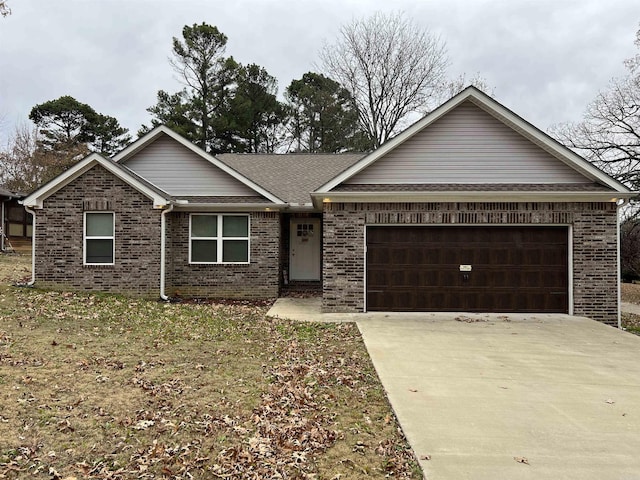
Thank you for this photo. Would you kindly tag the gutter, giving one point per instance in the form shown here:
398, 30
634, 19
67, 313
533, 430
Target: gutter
163, 254
228, 207
467, 196
33, 246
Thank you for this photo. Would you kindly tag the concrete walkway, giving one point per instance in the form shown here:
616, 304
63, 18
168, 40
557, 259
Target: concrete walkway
491, 397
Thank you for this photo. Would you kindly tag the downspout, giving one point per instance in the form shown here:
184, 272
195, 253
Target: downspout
163, 255
33, 245
2, 230
620, 204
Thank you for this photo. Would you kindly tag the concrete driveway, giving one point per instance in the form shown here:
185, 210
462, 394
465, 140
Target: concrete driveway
511, 397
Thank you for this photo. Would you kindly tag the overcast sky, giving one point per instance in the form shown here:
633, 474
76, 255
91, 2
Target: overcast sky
545, 59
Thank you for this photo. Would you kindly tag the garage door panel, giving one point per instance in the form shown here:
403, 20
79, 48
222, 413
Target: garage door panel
405, 279
512, 269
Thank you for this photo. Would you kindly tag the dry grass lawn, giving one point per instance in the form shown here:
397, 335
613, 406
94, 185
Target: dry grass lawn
99, 386
631, 294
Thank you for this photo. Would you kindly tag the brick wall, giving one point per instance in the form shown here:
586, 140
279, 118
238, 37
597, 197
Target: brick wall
595, 280
257, 280
594, 244
59, 239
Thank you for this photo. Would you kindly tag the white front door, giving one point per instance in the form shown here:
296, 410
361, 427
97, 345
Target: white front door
304, 249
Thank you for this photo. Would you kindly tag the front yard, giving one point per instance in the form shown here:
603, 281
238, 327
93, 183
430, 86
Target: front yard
99, 386
631, 294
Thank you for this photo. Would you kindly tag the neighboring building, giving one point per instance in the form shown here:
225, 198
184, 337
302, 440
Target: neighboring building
15, 222
469, 209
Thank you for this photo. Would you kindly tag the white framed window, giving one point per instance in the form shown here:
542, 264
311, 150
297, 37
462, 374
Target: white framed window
218, 238
99, 238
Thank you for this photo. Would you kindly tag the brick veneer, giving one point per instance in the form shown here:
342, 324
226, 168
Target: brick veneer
257, 280
594, 244
59, 240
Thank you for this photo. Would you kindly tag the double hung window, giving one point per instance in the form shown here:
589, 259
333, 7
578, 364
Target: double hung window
218, 238
99, 238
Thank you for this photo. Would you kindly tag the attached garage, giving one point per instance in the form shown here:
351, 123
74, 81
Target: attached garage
472, 209
467, 268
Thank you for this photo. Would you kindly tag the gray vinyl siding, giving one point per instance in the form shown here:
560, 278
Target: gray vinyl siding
467, 145
179, 171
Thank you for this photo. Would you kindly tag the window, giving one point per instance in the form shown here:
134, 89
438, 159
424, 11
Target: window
217, 238
99, 238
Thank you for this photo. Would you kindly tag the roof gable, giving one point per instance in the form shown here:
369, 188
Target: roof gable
176, 165
549, 159
467, 146
35, 199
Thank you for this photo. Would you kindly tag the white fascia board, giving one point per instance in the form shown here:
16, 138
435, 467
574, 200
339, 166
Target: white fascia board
162, 129
466, 196
35, 199
501, 113
227, 207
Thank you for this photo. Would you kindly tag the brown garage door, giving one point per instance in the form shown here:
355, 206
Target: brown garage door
472, 269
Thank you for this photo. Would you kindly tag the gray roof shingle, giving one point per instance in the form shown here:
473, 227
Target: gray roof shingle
291, 176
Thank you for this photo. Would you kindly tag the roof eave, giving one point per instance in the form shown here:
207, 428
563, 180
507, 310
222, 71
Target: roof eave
227, 207
468, 196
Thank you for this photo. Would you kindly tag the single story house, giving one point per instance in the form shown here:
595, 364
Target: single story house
471, 208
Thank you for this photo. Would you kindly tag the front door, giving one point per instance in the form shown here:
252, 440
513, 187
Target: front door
304, 249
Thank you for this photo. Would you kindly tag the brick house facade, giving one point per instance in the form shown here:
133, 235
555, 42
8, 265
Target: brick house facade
594, 246
470, 163
59, 248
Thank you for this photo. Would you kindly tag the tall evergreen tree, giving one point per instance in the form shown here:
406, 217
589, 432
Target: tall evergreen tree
65, 123
323, 117
174, 111
207, 76
224, 106
254, 110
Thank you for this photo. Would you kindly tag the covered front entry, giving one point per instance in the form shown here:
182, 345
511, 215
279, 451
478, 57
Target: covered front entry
467, 268
304, 249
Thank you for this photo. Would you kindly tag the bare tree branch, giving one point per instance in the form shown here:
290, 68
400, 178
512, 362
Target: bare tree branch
4, 8
609, 134
391, 67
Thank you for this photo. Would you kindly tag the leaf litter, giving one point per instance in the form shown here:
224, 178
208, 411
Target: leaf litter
138, 389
